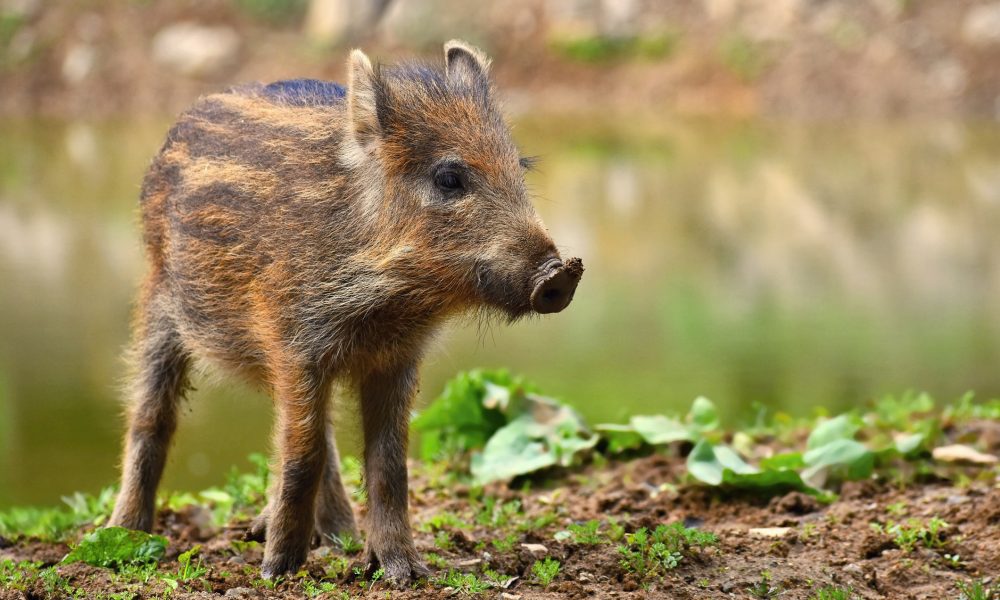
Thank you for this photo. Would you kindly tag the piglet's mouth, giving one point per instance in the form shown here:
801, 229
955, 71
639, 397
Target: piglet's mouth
555, 285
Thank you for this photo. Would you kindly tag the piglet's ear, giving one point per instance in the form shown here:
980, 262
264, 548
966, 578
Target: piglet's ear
363, 90
465, 63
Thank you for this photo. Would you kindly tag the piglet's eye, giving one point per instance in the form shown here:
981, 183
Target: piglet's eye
448, 180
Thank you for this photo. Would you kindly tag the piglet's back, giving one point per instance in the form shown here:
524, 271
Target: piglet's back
236, 157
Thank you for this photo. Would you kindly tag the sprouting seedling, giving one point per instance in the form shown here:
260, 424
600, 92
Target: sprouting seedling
545, 570
347, 542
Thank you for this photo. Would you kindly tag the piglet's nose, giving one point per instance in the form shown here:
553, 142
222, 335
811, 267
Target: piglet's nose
556, 285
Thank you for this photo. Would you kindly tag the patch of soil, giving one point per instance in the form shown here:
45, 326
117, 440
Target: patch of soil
807, 545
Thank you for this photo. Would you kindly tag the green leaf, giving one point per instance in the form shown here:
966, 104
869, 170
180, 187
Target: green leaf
658, 429
703, 415
842, 427
910, 443
511, 451
720, 465
620, 438
470, 409
216, 495
788, 460
839, 459
114, 547
546, 434
767, 479
708, 462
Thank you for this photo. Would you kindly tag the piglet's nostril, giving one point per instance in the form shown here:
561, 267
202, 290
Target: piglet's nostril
556, 286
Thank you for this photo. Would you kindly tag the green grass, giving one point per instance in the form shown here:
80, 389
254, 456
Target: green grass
762, 588
506, 543
914, 532
464, 583
313, 589
443, 541
586, 533
654, 553
977, 590
348, 543
56, 524
831, 592
545, 570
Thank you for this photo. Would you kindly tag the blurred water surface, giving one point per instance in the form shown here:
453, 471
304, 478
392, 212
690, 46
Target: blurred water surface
793, 265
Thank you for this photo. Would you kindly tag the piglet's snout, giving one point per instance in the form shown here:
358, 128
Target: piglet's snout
555, 285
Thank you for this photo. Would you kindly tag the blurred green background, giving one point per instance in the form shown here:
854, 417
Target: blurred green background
757, 228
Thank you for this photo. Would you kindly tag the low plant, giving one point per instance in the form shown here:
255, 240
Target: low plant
435, 560
443, 520
16, 575
336, 567
977, 590
650, 553
466, 583
497, 513
443, 540
189, 568
913, 532
506, 543
55, 524
586, 533
832, 592
762, 589
115, 547
545, 570
312, 588
348, 543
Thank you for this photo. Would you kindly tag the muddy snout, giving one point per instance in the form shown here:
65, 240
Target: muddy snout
555, 285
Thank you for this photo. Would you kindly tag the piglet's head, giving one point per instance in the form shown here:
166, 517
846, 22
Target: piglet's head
449, 184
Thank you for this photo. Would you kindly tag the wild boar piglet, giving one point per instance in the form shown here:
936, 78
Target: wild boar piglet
303, 232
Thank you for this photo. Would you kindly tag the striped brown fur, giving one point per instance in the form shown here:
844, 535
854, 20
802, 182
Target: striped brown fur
299, 233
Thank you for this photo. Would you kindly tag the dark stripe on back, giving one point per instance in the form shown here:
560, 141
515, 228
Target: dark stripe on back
305, 92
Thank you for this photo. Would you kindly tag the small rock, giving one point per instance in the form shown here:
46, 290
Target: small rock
770, 532
962, 453
469, 563
509, 596
585, 577
956, 499
854, 569
981, 26
78, 63
240, 592
536, 550
196, 50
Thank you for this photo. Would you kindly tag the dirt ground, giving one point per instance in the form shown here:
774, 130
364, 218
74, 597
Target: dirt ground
810, 545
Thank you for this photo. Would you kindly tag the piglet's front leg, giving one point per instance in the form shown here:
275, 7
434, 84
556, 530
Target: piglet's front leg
386, 396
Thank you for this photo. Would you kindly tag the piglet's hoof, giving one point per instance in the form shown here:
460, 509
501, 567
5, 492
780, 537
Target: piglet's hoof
282, 563
400, 567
